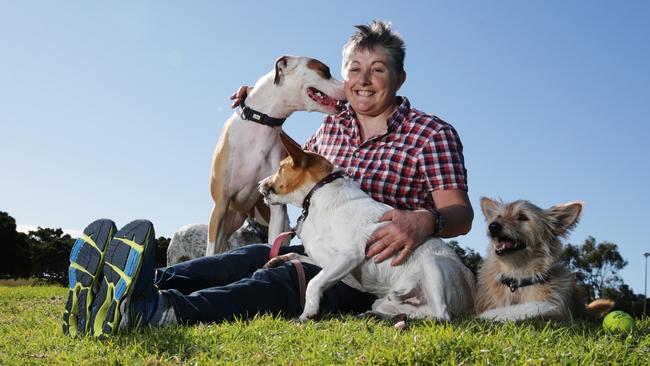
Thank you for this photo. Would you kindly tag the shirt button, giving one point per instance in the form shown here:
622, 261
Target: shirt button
356, 153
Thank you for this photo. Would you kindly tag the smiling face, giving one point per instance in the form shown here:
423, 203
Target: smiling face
371, 83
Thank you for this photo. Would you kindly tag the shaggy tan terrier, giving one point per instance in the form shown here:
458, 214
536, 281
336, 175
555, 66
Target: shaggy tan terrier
522, 276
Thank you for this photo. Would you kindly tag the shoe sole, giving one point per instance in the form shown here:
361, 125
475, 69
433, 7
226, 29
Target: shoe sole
86, 263
122, 264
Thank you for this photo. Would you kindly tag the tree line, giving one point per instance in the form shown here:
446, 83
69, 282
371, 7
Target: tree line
43, 254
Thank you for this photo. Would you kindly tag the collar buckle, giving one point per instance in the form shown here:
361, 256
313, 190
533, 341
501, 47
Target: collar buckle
516, 283
249, 114
513, 286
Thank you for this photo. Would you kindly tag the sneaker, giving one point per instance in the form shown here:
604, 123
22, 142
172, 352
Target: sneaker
84, 273
127, 289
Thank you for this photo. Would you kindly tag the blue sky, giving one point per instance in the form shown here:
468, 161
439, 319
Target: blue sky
113, 110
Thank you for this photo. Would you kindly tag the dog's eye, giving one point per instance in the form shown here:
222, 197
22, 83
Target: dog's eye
522, 217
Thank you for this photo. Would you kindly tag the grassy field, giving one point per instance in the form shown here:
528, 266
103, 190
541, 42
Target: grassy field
30, 333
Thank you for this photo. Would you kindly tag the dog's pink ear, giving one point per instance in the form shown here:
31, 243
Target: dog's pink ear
564, 217
282, 66
293, 148
489, 207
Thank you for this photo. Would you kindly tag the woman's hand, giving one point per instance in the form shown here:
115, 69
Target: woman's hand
405, 231
240, 95
408, 229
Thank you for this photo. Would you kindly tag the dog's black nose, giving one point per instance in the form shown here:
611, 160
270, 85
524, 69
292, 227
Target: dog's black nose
266, 189
495, 228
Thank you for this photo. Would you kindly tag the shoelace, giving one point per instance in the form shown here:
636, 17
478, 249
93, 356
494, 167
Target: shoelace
171, 271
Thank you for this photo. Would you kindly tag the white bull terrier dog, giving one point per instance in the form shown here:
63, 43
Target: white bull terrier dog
249, 149
338, 219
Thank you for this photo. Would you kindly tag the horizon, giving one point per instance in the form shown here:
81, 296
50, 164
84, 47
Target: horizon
114, 110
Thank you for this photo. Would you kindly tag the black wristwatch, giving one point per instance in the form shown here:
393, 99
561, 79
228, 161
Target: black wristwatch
440, 222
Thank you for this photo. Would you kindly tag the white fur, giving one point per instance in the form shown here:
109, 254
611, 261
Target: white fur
255, 151
527, 310
341, 220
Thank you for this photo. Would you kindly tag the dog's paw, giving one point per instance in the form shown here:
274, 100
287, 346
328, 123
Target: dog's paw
370, 315
487, 315
495, 315
399, 322
307, 315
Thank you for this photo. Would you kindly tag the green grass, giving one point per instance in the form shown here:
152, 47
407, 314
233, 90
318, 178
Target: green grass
30, 333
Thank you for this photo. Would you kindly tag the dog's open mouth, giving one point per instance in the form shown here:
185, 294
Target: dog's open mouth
322, 98
505, 245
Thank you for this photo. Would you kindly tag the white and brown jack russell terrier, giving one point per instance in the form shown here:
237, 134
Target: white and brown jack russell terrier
249, 148
338, 219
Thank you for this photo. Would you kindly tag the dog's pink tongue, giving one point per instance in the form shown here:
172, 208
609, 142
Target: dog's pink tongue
321, 97
329, 102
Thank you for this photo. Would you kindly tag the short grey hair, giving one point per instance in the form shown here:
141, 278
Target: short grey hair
376, 33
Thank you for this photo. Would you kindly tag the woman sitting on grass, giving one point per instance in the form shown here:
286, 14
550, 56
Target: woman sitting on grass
399, 155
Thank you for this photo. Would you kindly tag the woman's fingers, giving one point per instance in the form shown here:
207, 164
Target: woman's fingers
387, 246
377, 246
404, 254
389, 251
240, 95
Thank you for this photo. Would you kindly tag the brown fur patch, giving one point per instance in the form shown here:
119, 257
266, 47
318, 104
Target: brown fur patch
218, 190
299, 168
291, 176
322, 69
220, 163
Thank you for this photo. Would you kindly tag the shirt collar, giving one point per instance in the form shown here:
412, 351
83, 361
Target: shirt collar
400, 114
396, 119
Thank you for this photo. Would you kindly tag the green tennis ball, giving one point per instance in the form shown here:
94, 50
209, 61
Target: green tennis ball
618, 321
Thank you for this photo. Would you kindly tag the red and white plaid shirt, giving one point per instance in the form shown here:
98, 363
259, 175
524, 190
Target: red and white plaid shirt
418, 154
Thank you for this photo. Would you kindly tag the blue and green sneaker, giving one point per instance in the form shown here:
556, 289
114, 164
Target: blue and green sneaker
84, 274
126, 290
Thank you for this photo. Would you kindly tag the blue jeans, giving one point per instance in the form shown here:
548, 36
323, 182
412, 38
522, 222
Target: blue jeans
233, 285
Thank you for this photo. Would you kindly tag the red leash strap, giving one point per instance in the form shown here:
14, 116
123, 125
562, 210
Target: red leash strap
300, 271
277, 243
302, 281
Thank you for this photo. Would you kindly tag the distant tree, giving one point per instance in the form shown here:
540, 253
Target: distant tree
161, 251
469, 256
595, 266
14, 261
50, 254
